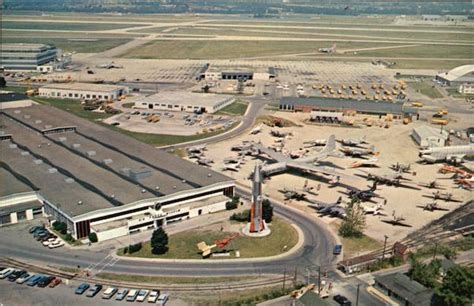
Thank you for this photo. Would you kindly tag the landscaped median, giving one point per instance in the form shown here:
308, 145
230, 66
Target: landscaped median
183, 245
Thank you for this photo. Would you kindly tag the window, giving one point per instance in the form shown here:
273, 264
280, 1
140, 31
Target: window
70, 95
76, 95
88, 96
94, 96
21, 215
5, 219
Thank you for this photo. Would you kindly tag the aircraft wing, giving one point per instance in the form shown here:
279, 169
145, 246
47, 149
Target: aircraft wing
316, 169
276, 156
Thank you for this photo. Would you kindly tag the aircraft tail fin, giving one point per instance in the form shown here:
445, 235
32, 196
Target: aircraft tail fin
330, 145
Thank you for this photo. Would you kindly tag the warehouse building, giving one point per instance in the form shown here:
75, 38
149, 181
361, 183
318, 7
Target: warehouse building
322, 104
32, 57
83, 91
403, 290
97, 180
427, 136
458, 76
13, 100
185, 102
235, 73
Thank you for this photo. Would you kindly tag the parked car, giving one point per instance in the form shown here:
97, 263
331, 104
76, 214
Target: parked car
56, 244
34, 228
337, 249
15, 275
132, 295
25, 277
45, 281
121, 294
94, 290
142, 294
342, 300
34, 280
56, 281
82, 288
162, 299
109, 293
41, 235
153, 296
6, 272
38, 231
48, 241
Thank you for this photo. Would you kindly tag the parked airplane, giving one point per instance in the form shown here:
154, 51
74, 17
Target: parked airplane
395, 179
431, 185
232, 167
432, 207
373, 209
444, 196
109, 66
358, 152
315, 143
452, 154
401, 167
297, 193
196, 155
333, 209
205, 162
372, 162
256, 130
283, 163
362, 195
245, 145
196, 149
465, 183
353, 142
277, 133
397, 220
328, 50
458, 171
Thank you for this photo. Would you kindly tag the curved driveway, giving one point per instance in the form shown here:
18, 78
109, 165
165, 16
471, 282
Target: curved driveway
316, 250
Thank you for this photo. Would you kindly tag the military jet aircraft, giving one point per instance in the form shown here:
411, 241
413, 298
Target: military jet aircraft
432, 207
372, 162
444, 196
333, 209
332, 49
205, 162
405, 168
245, 145
373, 209
232, 167
195, 155
315, 143
356, 142
396, 220
358, 152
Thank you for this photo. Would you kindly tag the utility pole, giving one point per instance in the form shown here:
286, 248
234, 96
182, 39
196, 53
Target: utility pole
319, 280
436, 249
357, 298
307, 277
384, 247
284, 278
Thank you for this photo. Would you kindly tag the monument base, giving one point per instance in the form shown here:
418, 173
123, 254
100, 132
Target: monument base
265, 232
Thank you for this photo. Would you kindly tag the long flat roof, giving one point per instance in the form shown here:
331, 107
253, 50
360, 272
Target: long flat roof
83, 87
96, 166
187, 98
408, 289
11, 182
348, 104
25, 47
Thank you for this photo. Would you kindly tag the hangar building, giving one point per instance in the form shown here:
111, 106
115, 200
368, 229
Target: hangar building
457, 76
83, 91
32, 57
427, 136
185, 101
95, 179
344, 105
235, 73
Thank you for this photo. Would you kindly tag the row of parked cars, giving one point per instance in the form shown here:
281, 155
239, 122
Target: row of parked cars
48, 239
130, 295
24, 277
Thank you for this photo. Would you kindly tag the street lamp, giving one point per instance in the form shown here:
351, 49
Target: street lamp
384, 247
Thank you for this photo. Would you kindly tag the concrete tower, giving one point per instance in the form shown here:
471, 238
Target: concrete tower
257, 223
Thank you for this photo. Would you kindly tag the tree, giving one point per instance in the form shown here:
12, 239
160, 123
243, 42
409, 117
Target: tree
354, 222
60, 227
233, 203
425, 274
93, 237
244, 216
458, 286
267, 211
134, 247
159, 241
3, 83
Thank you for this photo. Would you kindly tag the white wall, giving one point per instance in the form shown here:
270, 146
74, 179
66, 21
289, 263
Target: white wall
112, 233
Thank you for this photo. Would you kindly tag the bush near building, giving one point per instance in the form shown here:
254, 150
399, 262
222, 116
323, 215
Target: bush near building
159, 241
60, 227
244, 216
133, 248
232, 204
93, 237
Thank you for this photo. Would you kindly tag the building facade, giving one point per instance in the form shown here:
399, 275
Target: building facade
83, 91
27, 57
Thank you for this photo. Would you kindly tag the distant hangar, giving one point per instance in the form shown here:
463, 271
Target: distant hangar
97, 180
209, 73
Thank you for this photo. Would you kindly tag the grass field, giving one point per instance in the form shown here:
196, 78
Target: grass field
183, 245
66, 26
354, 246
72, 106
426, 88
198, 49
134, 278
238, 108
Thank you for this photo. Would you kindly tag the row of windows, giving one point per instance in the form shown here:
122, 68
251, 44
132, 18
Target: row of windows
76, 95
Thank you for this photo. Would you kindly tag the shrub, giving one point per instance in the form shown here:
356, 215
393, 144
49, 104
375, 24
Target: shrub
69, 238
241, 217
60, 227
133, 248
159, 241
93, 237
232, 204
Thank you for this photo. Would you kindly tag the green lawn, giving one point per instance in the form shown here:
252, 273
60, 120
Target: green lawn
426, 88
238, 108
354, 246
72, 106
135, 278
183, 245
66, 26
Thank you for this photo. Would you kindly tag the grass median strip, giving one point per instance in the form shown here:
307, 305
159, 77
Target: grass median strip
135, 278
